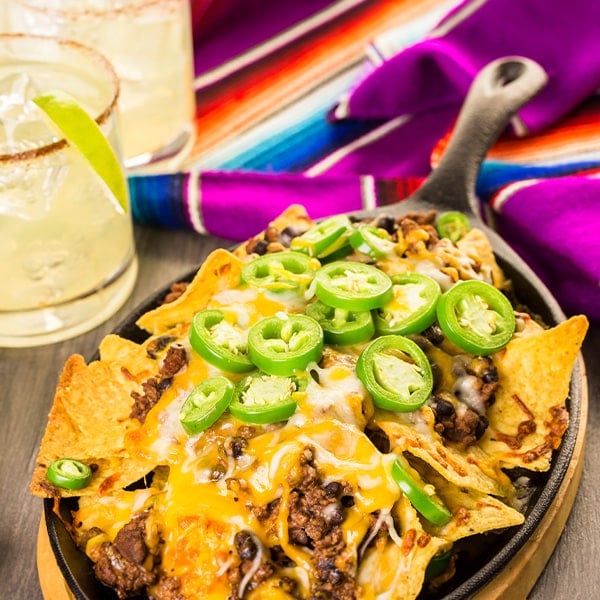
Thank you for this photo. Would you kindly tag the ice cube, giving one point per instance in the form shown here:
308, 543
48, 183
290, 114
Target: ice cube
23, 125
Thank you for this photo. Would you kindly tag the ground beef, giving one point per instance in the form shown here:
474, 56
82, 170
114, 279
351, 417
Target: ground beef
142, 403
153, 388
174, 361
119, 565
316, 512
175, 291
247, 547
462, 419
130, 540
167, 589
418, 223
464, 427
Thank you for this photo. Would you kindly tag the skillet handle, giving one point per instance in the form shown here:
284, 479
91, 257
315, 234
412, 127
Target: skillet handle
496, 94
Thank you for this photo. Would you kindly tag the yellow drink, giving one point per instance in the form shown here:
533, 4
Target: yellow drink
67, 259
149, 42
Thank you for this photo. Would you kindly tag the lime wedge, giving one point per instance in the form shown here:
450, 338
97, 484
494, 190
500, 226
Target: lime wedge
82, 132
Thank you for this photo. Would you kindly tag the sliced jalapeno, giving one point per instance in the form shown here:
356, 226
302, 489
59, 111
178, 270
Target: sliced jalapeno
352, 285
422, 496
325, 238
412, 308
452, 225
396, 372
280, 271
438, 564
219, 342
476, 317
69, 473
342, 327
372, 241
205, 404
284, 343
262, 398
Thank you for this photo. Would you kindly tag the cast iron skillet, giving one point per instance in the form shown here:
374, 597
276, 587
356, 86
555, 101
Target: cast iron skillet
497, 93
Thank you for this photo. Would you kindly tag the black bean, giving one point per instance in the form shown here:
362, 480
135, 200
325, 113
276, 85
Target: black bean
347, 501
245, 545
333, 489
490, 375
442, 408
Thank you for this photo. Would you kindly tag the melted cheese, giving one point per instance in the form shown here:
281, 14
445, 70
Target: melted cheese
209, 493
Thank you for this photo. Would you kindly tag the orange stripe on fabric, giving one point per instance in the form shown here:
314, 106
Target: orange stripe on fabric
247, 98
576, 133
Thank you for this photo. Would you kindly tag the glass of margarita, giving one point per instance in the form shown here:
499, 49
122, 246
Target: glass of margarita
67, 258
149, 42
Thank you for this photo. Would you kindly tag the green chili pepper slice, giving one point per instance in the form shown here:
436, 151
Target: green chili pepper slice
452, 225
205, 404
262, 398
282, 344
342, 327
396, 372
69, 473
372, 241
413, 307
476, 317
422, 496
280, 271
219, 342
438, 565
324, 238
352, 285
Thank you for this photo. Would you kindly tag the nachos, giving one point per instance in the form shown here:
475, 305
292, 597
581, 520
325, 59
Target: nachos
326, 412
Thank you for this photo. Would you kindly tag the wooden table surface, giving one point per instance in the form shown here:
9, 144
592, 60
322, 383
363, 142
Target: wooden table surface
28, 377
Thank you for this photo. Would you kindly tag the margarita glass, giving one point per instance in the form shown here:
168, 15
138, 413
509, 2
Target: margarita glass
67, 258
149, 42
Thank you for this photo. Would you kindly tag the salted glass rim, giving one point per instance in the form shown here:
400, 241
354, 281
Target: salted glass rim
82, 12
82, 49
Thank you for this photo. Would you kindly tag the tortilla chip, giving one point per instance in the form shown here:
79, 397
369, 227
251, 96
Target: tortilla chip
129, 356
476, 245
89, 421
472, 511
220, 271
294, 215
529, 416
453, 465
397, 570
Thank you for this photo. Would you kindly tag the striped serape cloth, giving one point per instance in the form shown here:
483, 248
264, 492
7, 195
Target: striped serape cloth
343, 105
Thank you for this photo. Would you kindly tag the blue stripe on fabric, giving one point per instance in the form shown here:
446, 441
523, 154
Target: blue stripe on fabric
300, 147
496, 174
152, 199
295, 137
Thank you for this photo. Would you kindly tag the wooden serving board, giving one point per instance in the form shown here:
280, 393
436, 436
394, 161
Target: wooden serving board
54, 587
515, 581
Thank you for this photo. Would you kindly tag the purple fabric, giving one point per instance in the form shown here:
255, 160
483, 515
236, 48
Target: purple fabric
437, 71
403, 150
553, 224
234, 204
